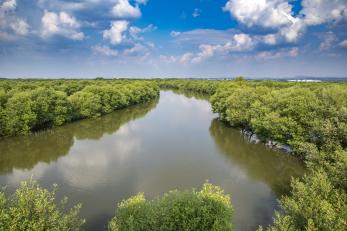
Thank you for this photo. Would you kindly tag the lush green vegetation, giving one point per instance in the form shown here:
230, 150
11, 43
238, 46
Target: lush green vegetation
208, 209
31, 105
33, 208
311, 118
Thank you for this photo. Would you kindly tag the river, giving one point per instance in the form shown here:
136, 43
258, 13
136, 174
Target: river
175, 142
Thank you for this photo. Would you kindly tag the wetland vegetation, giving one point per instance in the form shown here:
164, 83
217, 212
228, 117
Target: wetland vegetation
178, 142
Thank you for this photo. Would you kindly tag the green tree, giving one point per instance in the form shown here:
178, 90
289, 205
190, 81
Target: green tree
19, 116
50, 106
85, 105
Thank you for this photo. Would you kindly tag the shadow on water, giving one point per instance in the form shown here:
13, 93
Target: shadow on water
269, 166
47, 146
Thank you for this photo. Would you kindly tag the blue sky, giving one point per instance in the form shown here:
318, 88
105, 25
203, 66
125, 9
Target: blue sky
181, 38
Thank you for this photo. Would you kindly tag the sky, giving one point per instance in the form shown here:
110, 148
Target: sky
166, 38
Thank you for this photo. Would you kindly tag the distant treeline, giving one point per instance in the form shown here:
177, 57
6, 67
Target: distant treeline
31, 105
309, 117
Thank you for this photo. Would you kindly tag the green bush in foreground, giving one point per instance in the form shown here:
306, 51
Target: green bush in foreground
208, 209
33, 208
314, 205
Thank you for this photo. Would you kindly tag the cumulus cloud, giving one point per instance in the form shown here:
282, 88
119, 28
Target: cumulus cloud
115, 33
206, 51
11, 26
267, 13
61, 24
123, 9
9, 5
317, 12
293, 32
240, 42
104, 50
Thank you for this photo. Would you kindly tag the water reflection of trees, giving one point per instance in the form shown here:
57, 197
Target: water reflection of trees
271, 167
47, 146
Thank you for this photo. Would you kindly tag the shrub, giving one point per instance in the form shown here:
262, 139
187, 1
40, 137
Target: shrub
315, 204
208, 209
33, 208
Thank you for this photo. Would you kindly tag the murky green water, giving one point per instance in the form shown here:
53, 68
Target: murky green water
174, 143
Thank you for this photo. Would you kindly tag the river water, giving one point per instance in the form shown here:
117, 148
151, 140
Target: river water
175, 142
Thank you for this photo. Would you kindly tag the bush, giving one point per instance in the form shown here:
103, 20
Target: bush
33, 208
315, 204
208, 209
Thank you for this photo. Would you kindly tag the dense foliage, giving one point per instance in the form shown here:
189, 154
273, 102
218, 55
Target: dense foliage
30, 105
208, 209
34, 208
311, 118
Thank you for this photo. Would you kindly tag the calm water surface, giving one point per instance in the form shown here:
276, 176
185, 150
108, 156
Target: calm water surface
174, 142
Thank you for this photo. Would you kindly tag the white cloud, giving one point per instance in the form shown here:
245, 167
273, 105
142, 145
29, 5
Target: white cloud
292, 52
123, 9
270, 39
9, 5
185, 58
115, 33
135, 31
293, 32
196, 13
343, 43
206, 51
174, 34
59, 5
61, 24
167, 59
104, 50
323, 11
11, 26
277, 14
267, 13
328, 41
240, 42
137, 50
20, 27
